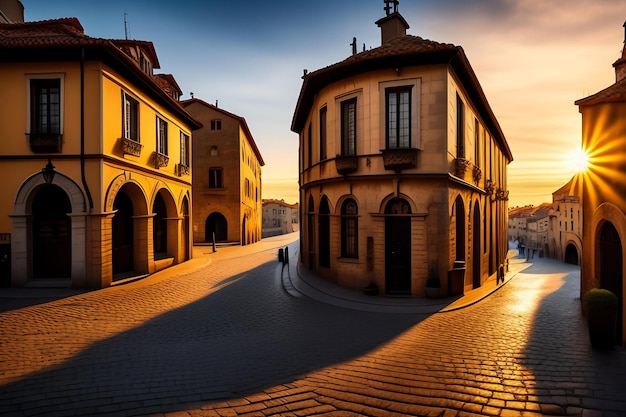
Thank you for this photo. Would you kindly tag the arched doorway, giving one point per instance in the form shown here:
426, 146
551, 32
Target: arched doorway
159, 227
610, 261
52, 241
311, 232
186, 235
324, 233
476, 247
571, 255
216, 223
398, 247
123, 234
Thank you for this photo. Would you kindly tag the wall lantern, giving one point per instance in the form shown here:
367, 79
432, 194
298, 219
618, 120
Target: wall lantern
48, 172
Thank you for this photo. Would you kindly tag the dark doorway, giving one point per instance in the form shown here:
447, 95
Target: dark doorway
610, 258
311, 232
216, 223
52, 237
186, 234
476, 248
571, 255
398, 247
460, 229
324, 233
159, 227
123, 234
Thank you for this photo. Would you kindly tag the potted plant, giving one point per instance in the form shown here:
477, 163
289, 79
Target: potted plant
433, 284
600, 306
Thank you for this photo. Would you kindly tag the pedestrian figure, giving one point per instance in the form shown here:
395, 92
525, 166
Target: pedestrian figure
500, 276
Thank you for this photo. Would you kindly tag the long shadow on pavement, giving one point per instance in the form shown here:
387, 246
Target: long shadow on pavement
247, 336
569, 376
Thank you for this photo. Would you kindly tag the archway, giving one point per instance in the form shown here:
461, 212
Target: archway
159, 227
398, 247
460, 229
610, 263
571, 255
311, 232
216, 223
52, 240
186, 233
476, 247
123, 234
324, 233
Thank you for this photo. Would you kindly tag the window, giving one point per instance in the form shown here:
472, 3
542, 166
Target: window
460, 127
216, 124
161, 136
349, 228
398, 119
184, 149
348, 127
476, 143
310, 146
216, 178
130, 125
45, 104
323, 133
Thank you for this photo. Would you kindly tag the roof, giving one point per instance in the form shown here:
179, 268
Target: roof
64, 40
242, 122
280, 202
612, 94
401, 51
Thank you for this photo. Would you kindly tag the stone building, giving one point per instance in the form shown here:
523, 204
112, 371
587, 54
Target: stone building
227, 177
566, 225
94, 158
603, 189
403, 168
279, 218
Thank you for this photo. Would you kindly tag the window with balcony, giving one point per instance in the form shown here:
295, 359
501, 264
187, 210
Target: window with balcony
130, 119
348, 127
161, 138
323, 155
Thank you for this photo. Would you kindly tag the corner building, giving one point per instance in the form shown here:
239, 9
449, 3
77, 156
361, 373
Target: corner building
403, 168
603, 189
95, 158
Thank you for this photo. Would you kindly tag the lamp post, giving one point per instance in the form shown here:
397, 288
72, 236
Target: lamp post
48, 172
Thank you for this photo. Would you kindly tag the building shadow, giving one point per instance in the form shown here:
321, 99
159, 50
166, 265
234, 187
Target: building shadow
246, 336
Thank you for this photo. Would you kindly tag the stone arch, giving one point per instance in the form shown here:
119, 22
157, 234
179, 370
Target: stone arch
21, 255
458, 212
385, 201
138, 193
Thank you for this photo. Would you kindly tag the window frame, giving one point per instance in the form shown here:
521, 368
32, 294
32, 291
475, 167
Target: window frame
349, 229
398, 140
32, 127
460, 127
323, 134
185, 147
415, 85
130, 110
217, 182
349, 128
161, 136
216, 124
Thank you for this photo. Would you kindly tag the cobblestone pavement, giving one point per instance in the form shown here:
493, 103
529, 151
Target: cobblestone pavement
228, 340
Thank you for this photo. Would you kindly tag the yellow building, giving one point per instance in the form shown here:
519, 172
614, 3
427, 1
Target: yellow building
604, 191
95, 158
227, 177
403, 168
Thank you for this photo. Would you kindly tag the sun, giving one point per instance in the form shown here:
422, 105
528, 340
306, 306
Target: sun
578, 160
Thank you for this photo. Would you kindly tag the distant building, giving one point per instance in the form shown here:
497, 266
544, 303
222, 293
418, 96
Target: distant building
565, 232
95, 158
227, 177
279, 218
403, 168
604, 190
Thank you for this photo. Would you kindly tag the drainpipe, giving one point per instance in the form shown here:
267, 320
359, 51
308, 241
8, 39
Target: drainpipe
82, 128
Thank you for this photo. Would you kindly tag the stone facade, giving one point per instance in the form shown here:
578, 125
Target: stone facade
279, 218
403, 169
227, 177
603, 187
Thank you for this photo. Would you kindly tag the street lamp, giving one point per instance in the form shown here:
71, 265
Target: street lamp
48, 172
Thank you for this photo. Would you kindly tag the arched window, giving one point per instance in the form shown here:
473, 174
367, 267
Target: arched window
349, 229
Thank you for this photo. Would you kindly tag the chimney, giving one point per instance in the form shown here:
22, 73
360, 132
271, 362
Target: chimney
393, 24
620, 64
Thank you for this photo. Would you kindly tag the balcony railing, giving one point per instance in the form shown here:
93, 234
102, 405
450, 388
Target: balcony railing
45, 142
399, 159
160, 160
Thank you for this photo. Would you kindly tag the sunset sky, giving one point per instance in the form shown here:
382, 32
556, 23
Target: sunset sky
533, 58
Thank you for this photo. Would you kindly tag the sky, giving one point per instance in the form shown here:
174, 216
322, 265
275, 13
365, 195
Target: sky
533, 59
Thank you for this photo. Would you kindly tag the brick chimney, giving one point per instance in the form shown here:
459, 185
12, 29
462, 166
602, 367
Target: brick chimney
392, 25
620, 64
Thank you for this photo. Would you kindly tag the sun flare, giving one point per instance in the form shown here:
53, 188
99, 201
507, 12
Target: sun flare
578, 160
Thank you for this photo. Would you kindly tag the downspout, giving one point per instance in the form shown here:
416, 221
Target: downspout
82, 128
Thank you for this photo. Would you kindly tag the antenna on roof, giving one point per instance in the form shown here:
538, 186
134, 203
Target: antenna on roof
125, 27
353, 45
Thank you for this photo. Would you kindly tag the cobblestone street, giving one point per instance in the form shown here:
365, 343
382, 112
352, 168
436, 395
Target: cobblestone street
227, 339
